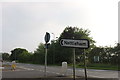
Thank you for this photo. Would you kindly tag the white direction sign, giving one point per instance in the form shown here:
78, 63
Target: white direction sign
82, 43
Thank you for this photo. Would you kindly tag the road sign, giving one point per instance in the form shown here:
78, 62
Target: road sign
47, 37
82, 43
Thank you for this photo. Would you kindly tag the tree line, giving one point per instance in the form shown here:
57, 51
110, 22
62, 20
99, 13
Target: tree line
58, 54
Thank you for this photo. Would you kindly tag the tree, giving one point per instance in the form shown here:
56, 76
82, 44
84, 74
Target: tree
94, 52
104, 54
5, 56
16, 53
39, 54
115, 54
65, 54
25, 57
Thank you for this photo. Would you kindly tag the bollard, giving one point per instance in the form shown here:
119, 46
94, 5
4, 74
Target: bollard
64, 68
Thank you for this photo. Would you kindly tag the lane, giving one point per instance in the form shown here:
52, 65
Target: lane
79, 72
54, 70
27, 71
35, 71
102, 73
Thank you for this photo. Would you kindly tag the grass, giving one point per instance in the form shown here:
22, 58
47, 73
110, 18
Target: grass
99, 66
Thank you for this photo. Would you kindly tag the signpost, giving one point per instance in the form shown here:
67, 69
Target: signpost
74, 62
47, 38
82, 44
85, 65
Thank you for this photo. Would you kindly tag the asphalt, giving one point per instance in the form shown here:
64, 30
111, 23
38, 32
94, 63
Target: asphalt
7, 70
59, 78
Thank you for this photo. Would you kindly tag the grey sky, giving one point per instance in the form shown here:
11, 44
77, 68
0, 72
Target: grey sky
24, 24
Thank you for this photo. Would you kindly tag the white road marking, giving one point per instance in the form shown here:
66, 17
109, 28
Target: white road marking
48, 71
99, 70
40, 70
58, 73
95, 76
81, 70
63, 74
69, 69
25, 68
53, 72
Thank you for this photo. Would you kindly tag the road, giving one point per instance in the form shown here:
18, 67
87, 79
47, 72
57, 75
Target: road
37, 71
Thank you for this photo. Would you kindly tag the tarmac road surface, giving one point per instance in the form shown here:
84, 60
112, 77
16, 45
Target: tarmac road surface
37, 71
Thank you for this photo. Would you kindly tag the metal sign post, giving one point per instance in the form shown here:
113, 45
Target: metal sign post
73, 63
85, 65
45, 61
47, 38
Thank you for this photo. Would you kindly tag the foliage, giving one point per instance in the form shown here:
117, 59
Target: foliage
66, 54
107, 54
25, 57
115, 54
39, 54
5, 56
16, 53
100, 66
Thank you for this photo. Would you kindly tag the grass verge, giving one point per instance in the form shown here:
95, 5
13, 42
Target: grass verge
99, 66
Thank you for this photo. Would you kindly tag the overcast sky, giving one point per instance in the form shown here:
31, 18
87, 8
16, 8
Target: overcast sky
24, 24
